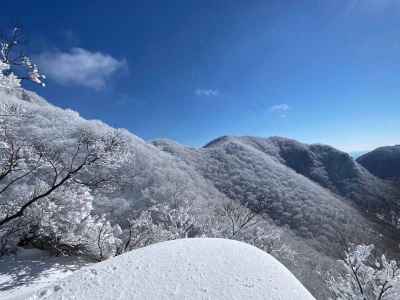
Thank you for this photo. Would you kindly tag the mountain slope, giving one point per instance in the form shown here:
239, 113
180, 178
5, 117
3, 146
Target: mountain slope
315, 194
148, 170
300, 186
332, 169
383, 162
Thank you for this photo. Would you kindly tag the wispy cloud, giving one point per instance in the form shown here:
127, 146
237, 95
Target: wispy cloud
80, 67
206, 93
370, 6
280, 109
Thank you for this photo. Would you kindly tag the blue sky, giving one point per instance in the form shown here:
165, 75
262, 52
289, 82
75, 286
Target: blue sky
317, 71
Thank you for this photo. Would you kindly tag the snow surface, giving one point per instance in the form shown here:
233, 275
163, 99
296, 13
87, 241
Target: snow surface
182, 269
31, 269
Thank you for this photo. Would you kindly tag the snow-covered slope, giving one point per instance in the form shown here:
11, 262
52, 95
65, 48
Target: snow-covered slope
383, 162
329, 167
294, 183
30, 269
313, 191
154, 171
183, 269
19, 94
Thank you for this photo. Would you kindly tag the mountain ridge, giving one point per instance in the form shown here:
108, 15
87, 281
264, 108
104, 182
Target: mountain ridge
315, 193
383, 162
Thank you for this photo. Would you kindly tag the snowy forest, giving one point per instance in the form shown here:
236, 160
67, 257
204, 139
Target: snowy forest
79, 188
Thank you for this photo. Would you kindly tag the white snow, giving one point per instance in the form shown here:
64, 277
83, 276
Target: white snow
31, 269
182, 269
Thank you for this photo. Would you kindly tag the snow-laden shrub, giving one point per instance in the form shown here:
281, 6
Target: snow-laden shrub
366, 276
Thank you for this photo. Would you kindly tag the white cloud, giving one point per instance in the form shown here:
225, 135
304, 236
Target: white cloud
206, 93
80, 67
280, 109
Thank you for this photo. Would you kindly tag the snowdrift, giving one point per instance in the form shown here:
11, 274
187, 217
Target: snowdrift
183, 269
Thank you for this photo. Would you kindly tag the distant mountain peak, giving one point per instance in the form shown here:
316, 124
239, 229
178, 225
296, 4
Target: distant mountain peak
220, 140
383, 162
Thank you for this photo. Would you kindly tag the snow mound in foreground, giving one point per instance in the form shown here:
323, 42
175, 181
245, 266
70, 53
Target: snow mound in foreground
183, 269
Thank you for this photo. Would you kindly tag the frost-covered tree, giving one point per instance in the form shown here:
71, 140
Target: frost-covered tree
239, 218
160, 222
60, 220
179, 221
171, 189
140, 232
15, 65
33, 171
235, 221
47, 178
101, 234
366, 277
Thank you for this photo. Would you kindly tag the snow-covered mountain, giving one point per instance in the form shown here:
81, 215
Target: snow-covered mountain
182, 269
331, 168
316, 195
316, 190
383, 162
